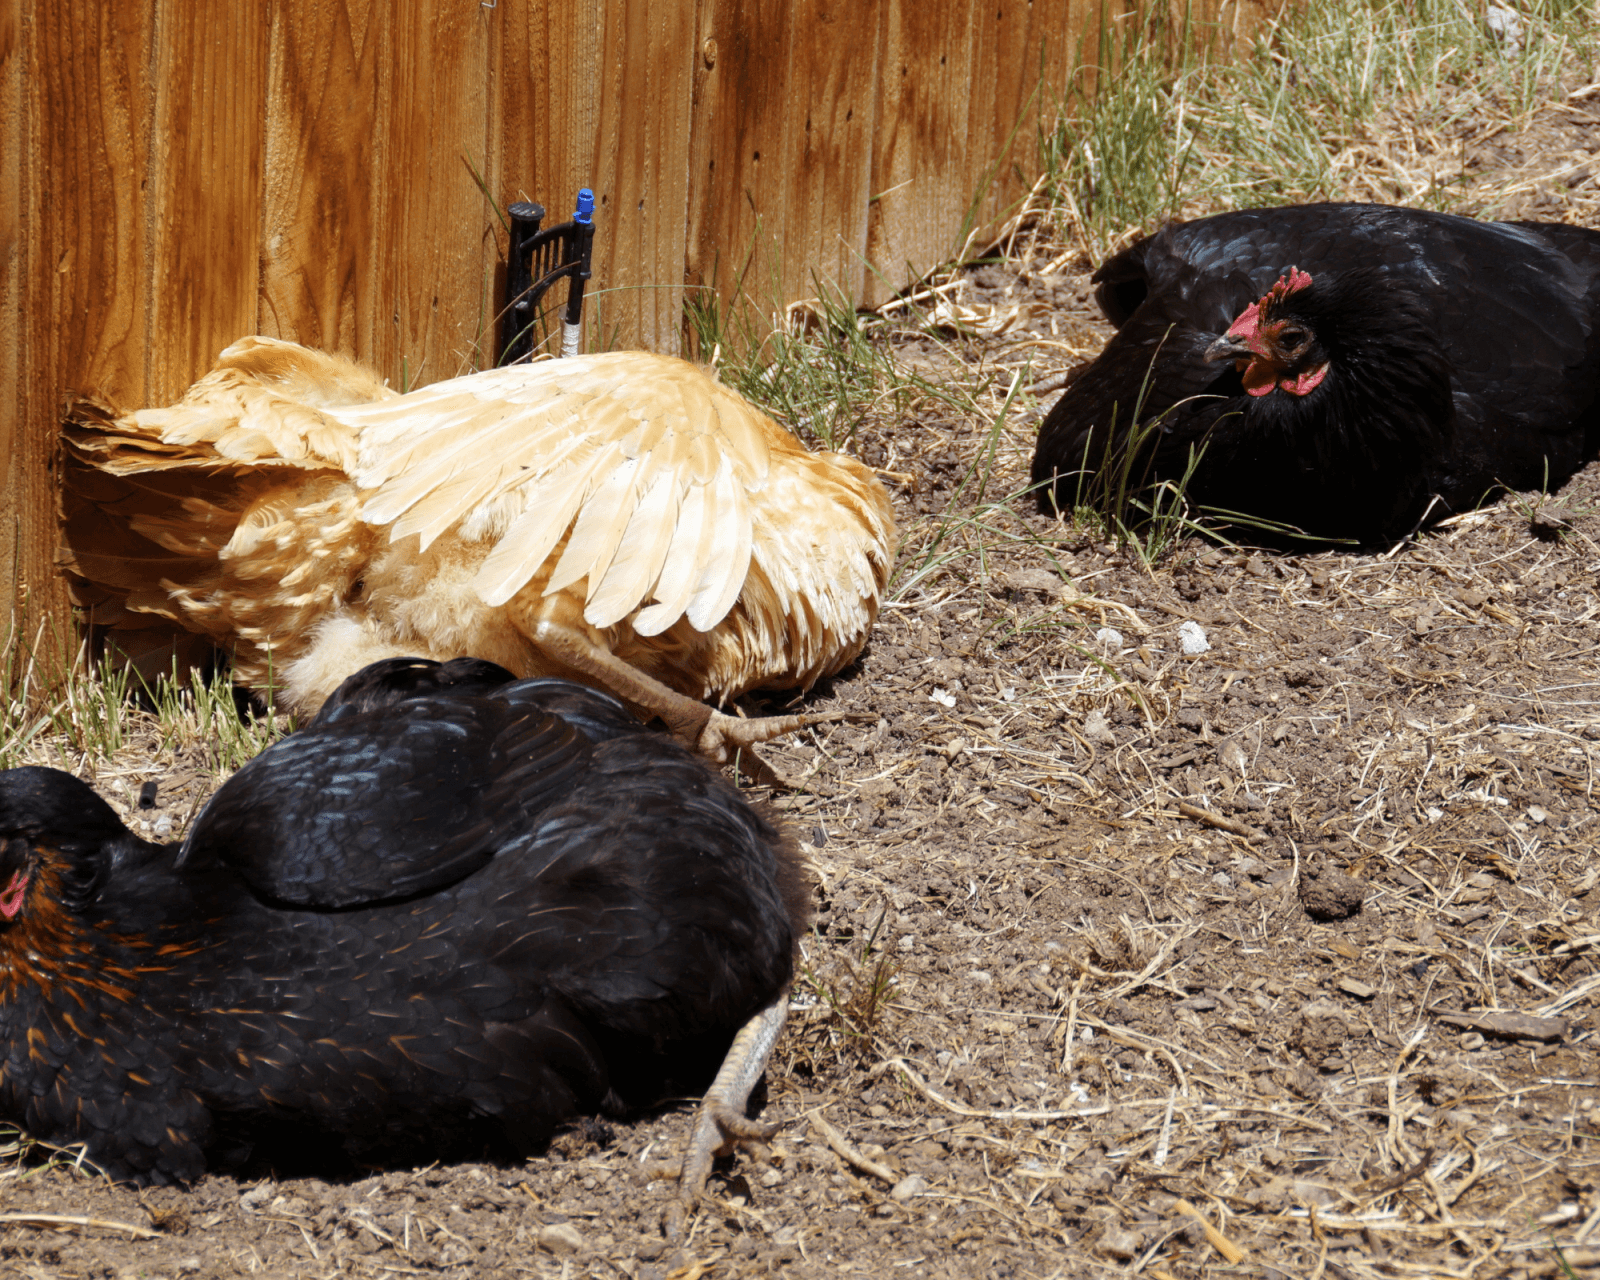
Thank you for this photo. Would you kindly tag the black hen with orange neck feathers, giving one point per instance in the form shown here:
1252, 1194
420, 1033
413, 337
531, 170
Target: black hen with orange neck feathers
1348, 370
451, 913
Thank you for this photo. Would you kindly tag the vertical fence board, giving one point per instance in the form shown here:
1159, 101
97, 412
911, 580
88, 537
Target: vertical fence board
827, 154
205, 188
642, 162
1024, 56
550, 81
524, 156
526, 119
89, 128
13, 332
85, 273
920, 163
316, 220
738, 179
426, 250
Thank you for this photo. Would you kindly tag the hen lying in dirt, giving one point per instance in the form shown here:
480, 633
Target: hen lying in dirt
1351, 370
623, 520
453, 905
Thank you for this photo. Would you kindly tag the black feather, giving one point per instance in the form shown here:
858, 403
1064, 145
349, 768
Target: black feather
565, 925
1462, 356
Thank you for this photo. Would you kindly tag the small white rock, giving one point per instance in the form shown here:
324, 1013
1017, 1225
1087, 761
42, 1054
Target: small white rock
942, 698
1504, 25
1096, 729
163, 827
915, 1185
560, 1237
1108, 638
255, 1200
1536, 814
1121, 1245
1193, 638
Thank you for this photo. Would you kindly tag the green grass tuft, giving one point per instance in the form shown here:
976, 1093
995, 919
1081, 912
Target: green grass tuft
1329, 101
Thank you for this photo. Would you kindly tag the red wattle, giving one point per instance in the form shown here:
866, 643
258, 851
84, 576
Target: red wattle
1260, 377
1306, 381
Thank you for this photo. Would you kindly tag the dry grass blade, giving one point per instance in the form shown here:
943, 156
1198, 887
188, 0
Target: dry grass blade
1226, 1247
59, 1221
849, 1154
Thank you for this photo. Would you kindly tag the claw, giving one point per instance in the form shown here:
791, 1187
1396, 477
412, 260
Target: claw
721, 1127
720, 737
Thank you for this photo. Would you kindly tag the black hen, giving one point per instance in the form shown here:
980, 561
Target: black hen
1347, 369
455, 903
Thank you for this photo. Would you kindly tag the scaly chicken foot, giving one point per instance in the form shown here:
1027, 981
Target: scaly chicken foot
716, 736
721, 1126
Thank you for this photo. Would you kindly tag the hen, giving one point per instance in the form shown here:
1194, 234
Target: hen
619, 519
454, 903
1351, 370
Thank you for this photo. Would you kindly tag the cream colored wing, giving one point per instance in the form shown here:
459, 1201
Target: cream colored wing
642, 463
260, 406
825, 543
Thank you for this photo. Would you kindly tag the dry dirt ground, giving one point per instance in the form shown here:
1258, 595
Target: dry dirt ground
1274, 960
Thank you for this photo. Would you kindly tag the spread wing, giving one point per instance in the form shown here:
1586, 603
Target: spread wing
366, 805
640, 468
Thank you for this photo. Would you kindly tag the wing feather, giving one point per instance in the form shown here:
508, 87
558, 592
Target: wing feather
640, 554
642, 462
526, 545
722, 573
680, 572
601, 521
738, 426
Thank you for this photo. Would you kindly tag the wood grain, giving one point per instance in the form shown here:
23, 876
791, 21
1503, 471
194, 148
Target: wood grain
1024, 54
203, 198
317, 217
548, 87
13, 330
89, 124
738, 174
85, 279
828, 147
426, 255
641, 149
920, 169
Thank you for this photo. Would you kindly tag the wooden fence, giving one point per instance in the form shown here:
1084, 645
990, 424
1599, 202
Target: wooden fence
174, 175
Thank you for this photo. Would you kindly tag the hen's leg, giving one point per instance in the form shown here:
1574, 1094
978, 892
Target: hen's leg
721, 1125
709, 732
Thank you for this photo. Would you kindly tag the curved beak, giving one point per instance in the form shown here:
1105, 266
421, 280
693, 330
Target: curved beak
1228, 347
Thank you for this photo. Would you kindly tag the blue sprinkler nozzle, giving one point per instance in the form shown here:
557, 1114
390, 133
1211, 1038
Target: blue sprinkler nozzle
585, 213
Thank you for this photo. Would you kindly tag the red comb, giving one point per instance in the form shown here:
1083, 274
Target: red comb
1248, 321
1295, 280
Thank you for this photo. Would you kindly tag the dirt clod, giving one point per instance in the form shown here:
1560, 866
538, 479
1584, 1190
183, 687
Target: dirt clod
1329, 895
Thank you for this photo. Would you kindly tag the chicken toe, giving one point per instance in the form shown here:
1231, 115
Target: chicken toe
721, 1125
713, 735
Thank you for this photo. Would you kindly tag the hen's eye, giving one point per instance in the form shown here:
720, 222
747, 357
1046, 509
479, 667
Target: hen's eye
1293, 337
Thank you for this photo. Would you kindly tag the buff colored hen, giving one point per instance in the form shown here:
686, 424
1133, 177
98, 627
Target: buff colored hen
620, 519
